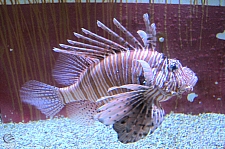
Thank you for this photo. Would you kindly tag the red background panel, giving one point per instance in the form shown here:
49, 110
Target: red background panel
29, 32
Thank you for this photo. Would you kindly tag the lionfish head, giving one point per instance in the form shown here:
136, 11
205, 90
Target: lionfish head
179, 79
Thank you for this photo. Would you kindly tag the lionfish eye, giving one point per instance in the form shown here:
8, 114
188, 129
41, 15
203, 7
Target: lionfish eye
173, 67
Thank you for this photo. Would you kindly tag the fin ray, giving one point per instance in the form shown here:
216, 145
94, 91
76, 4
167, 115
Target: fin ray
68, 68
82, 112
127, 33
109, 42
150, 32
44, 97
107, 48
139, 123
121, 40
133, 114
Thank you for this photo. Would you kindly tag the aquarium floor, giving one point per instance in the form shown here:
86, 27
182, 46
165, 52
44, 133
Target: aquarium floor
177, 131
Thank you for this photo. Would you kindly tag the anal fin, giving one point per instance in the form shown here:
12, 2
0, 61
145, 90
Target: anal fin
82, 112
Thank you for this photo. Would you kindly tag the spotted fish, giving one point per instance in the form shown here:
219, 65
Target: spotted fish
119, 83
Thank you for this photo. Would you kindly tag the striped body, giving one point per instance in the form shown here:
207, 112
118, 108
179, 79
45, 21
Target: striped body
114, 70
123, 68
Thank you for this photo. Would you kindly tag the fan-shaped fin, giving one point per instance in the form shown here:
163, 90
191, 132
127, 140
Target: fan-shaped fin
68, 68
133, 114
139, 123
82, 112
44, 97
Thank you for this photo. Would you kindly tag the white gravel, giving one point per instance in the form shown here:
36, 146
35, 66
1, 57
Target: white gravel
178, 131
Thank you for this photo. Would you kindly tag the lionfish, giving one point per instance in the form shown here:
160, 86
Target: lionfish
119, 83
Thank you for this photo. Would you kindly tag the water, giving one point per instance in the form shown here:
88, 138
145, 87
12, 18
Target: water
192, 33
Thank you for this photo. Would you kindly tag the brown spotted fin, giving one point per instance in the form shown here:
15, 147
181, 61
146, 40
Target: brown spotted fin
138, 124
82, 112
133, 114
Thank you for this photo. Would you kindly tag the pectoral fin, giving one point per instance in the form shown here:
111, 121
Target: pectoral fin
142, 121
133, 114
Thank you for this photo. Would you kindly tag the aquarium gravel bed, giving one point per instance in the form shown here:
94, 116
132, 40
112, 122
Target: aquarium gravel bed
177, 131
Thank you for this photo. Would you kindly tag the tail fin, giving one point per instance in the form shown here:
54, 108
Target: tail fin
44, 97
